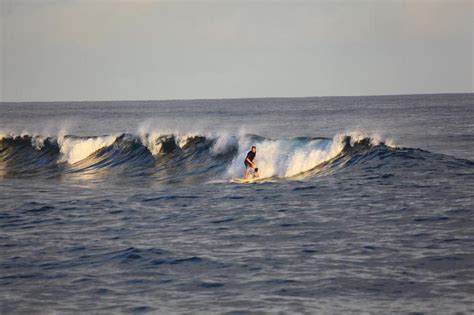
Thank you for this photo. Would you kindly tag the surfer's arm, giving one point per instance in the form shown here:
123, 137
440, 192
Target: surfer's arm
250, 162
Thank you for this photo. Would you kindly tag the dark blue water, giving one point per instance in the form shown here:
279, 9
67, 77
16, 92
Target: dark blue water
366, 205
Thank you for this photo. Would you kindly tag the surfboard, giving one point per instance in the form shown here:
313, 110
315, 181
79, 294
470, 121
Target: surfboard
242, 180
248, 180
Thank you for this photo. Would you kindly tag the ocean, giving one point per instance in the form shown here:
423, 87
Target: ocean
365, 204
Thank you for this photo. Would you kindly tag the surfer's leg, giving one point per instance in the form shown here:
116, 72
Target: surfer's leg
247, 171
255, 172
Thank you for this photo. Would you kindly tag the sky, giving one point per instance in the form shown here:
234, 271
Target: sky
85, 50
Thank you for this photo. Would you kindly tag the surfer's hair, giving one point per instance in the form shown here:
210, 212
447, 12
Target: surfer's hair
253, 147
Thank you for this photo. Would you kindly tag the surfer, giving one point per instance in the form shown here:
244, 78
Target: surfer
250, 164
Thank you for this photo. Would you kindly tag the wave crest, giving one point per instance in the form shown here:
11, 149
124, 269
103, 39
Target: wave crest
179, 156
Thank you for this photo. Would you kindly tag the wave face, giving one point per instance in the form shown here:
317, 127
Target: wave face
203, 157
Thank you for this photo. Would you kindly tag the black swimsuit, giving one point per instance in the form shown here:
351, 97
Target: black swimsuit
250, 156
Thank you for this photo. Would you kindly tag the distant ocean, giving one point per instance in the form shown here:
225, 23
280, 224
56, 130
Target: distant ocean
367, 206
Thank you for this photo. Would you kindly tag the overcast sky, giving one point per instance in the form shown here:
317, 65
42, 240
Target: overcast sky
141, 49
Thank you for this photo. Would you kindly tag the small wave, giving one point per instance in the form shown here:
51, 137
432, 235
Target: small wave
28, 155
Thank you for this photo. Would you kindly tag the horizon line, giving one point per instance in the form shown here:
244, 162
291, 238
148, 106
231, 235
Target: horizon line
235, 98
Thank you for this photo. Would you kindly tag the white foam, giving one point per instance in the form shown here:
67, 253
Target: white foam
286, 158
150, 136
154, 144
37, 141
182, 140
225, 143
307, 158
4, 134
375, 138
151, 142
74, 150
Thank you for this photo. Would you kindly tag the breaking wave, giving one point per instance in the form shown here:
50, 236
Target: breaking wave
193, 156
